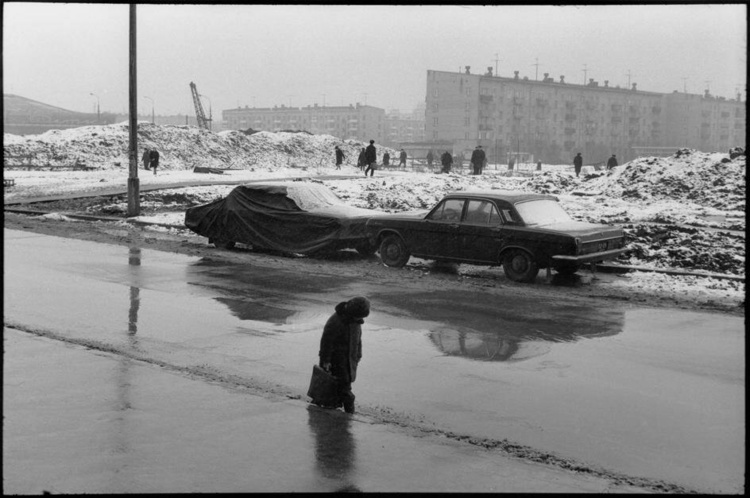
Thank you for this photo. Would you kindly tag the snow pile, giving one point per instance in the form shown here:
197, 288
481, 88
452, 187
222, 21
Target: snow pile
180, 148
709, 179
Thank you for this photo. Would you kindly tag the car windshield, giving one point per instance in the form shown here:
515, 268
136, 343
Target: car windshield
542, 212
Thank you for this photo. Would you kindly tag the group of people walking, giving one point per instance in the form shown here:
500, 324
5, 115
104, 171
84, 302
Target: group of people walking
367, 160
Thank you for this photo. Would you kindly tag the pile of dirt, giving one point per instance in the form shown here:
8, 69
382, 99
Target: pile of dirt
685, 247
180, 147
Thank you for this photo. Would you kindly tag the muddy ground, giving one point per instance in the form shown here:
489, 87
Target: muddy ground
418, 273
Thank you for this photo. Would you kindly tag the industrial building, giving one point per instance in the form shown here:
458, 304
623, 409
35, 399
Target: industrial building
22, 116
552, 120
358, 122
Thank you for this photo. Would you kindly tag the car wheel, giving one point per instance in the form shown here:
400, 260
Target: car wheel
393, 251
223, 244
519, 266
567, 269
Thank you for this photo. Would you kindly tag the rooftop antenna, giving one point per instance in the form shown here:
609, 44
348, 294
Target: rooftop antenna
585, 72
496, 61
628, 75
708, 82
536, 73
684, 85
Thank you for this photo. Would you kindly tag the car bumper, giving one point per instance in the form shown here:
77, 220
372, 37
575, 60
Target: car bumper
587, 258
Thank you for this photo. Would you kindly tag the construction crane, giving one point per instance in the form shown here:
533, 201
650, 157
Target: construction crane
203, 121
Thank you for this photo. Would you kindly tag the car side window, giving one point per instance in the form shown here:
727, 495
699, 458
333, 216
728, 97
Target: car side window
508, 216
450, 210
481, 213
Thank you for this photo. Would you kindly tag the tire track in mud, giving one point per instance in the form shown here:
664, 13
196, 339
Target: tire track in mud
414, 426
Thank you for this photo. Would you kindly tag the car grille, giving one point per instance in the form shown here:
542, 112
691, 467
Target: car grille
602, 245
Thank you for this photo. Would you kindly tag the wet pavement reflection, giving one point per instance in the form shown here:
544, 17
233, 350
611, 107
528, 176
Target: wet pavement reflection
491, 328
335, 447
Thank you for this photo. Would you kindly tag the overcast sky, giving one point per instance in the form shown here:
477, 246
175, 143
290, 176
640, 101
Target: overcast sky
300, 55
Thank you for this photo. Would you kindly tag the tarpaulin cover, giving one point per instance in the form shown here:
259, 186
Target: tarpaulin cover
294, 217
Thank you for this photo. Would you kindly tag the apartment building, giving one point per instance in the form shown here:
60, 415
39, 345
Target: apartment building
357, 122
553, 120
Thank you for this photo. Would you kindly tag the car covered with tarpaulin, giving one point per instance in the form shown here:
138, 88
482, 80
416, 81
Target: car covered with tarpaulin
291, 217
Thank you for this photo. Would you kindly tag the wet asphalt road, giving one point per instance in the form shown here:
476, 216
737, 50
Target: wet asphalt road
649, 393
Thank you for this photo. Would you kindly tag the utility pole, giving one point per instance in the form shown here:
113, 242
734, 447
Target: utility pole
152, 108
536, 73
134, 207
496, 61
585, 73
684, 85
97, 108
628, 75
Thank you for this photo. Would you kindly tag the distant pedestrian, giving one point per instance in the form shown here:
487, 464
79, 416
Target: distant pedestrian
341, 346
339, 157
146, 159
447, 161
511, 163
402, 159
386, 159
371, 158
612, 162
361, 162
539, 165
477, 159
154, 155
578, 163
430, 158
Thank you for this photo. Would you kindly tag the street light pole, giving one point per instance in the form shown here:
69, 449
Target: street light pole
97, 108
152, 108
134, 207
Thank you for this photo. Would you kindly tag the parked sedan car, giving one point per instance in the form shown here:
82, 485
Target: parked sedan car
292, 217
523, 231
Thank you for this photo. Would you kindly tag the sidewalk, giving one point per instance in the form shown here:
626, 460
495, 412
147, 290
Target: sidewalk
84, 421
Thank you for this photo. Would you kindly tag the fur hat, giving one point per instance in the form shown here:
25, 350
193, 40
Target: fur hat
358, 307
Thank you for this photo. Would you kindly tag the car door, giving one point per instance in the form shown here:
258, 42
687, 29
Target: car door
482, 231
437, 235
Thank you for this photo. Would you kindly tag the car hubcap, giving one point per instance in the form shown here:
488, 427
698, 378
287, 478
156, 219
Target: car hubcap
519, 264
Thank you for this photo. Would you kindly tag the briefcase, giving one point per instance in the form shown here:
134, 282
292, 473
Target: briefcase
323, 388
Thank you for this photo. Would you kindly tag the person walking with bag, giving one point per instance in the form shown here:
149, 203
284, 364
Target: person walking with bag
339, 157
371, 158
341, 346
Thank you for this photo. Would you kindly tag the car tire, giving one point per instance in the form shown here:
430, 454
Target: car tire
223, 244
567, 269
519, 266
393, 251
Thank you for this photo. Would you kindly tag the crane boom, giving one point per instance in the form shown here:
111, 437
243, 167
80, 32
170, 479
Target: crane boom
203, 121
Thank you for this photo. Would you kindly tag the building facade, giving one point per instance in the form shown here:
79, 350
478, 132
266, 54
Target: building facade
553, 120
360, 122
404, 127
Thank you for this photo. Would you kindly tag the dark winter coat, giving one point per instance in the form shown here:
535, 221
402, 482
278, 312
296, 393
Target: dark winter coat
339, 156
446, 159
386, 159
578, 161
478, 157
371, 154
341, 343
612, 162
361, 159
430, 157
402, 156
146, 157
154, 155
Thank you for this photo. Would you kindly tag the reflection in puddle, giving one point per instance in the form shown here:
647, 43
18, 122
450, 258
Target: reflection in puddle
486, 327
335, 448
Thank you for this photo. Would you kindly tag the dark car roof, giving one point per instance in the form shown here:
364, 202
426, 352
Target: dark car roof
512, 196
